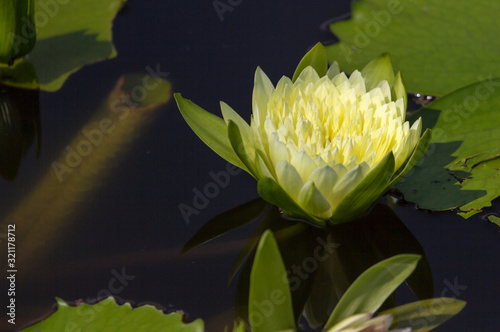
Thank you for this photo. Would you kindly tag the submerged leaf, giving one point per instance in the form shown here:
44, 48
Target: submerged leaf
270, 301
371, 288
227, 221
425, 315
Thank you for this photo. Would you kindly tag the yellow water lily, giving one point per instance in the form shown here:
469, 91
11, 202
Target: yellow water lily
323, 145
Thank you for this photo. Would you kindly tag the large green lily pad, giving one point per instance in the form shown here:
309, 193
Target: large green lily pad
70, 34
439, 46
108, 316
461, 168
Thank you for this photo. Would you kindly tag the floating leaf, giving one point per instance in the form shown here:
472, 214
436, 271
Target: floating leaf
70, 34
108, 316
461, 166
435, 55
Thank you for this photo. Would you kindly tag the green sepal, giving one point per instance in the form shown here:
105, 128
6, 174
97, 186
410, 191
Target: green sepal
229, 114
418, 153
373, 287
244, 152
377, 70
268, 284
274, 194
398, 89
315, 58
373, 185
311, 199
211, 129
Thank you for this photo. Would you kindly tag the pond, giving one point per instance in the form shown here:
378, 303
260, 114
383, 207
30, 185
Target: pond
119, 229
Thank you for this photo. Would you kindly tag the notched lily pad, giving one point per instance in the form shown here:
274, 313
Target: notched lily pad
70, 35
107, 315
439, 46
461, 167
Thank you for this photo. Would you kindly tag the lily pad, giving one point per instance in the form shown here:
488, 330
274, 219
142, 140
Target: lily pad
461, 168
439, 46
108, 316
70, 34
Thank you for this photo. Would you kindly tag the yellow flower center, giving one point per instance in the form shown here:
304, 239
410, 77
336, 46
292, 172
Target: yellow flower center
337, 119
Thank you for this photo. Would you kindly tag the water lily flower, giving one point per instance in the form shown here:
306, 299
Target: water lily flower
324, 146
17, 29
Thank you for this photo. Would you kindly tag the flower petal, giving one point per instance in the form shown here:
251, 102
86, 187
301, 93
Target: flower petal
363, 193
333, 70
270, 191
277, 150
303, 164
289, 179
420, 149
324, 178
314, 202
308, 75
262, 90
347, 184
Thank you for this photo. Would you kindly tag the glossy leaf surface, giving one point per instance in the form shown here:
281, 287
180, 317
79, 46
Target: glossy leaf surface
435, 55
108, 316
461, 166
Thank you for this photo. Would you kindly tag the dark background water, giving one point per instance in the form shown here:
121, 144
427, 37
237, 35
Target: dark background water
132, 221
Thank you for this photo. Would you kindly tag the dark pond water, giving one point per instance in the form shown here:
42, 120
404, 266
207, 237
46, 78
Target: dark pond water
129, 221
